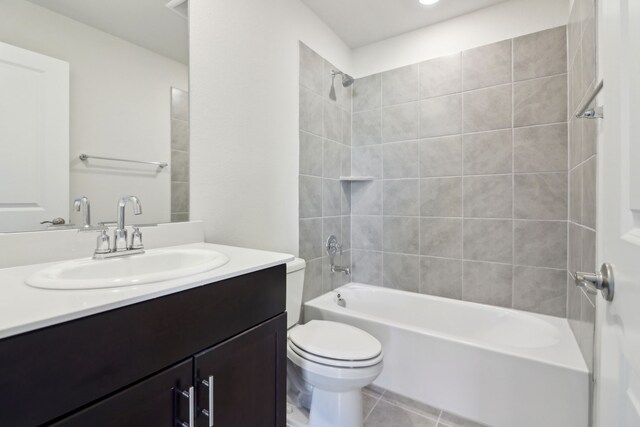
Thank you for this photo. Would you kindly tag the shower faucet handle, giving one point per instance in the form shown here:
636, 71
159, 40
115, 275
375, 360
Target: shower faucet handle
333, 247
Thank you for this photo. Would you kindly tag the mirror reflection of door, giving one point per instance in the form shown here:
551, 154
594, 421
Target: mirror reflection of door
34, 135
125, 62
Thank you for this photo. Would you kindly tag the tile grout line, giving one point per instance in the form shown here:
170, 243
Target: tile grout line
462, 266
513, 177
381, 184
426, 273
350, 200
460, 92
411, 409
449, 135
374, 405
570, 77
492, 175
322, 189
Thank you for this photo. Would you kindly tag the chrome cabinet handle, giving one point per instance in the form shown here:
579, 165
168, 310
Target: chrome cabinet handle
190, 394
208, 412
598, 281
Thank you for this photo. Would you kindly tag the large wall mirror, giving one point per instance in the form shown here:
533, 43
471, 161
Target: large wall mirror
94, 104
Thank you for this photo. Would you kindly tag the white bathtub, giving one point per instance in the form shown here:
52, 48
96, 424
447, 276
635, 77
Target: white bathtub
501, 367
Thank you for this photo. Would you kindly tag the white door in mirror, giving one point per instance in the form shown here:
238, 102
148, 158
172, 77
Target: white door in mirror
156, 265
34, 138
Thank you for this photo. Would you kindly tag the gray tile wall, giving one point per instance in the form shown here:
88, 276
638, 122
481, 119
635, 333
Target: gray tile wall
179, 155
582, 172
325, 155
469, 156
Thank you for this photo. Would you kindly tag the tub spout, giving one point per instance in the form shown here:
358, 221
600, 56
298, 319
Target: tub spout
339, 269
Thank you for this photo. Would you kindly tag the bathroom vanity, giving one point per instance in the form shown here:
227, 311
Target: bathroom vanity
203, 350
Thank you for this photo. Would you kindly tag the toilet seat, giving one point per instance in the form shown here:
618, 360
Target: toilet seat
337, 363
335, 344
332, 377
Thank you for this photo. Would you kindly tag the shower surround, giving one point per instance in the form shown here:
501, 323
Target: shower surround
325, 155
469, 156
583, 136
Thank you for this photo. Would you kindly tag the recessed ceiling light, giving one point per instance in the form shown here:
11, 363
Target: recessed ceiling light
428, 2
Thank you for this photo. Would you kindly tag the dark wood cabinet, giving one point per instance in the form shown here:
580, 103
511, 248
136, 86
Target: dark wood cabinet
154, 402
125, 367
245, 376
248, 376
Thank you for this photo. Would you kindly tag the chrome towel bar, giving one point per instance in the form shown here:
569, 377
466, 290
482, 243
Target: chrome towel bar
85, 157
595, 112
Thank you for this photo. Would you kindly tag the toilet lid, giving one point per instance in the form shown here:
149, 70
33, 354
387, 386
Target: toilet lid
334, 362
335, 341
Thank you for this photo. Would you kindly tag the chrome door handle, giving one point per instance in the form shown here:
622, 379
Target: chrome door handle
208, 412
190, 394
600, 281
55, 221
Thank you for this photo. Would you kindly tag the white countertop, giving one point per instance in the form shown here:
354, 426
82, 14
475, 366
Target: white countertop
23, 308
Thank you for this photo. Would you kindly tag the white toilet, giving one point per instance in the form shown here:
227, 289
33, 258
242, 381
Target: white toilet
328, 364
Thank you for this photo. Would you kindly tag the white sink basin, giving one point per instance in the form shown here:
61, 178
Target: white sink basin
155, 265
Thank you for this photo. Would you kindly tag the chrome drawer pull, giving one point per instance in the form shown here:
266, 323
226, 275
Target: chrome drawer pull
190, 394
209, 411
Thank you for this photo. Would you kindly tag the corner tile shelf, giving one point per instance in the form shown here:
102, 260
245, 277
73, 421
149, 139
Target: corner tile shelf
356, 178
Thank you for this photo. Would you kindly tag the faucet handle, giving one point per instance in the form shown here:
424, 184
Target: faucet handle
103, 245
136, 239
332, 246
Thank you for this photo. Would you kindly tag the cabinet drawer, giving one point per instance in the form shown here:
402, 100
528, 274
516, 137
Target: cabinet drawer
153, 402
51, 372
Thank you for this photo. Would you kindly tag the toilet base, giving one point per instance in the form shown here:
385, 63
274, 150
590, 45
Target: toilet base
296, 416
328, 409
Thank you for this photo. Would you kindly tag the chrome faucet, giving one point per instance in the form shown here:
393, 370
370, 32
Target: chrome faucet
121, 246
333, 247
120, 235
339, 269
82, 204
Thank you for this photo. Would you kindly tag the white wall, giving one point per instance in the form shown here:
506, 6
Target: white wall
500, 22
244, 116
120, 106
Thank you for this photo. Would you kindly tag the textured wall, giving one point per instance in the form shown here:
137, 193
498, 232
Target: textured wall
469, 155
325, 155
179, 155
582, 175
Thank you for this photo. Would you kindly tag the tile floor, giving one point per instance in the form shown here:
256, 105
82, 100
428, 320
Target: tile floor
383, 408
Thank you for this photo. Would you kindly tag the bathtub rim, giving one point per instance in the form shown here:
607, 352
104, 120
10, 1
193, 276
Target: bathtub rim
319, 302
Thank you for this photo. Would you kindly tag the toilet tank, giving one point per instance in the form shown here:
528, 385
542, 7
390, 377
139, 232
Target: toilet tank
295, 285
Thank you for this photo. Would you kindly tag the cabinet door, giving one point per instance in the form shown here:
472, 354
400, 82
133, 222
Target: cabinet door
154, 402
249, 378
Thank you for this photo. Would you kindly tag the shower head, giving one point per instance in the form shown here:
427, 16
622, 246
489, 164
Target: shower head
347, 81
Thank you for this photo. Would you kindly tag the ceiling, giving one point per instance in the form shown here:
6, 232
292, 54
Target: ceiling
147, 23
360, 22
